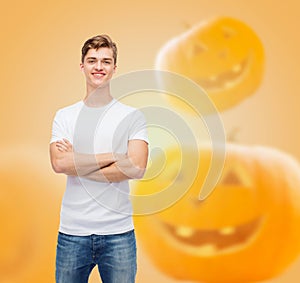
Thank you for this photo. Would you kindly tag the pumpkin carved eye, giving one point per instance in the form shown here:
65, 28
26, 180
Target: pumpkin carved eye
236, 176
228, 32
199, 48
231, 179
195, 201
223, 54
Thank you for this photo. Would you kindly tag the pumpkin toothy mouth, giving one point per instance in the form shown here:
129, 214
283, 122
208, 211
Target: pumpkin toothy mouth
211, 242
18, 257
226, 79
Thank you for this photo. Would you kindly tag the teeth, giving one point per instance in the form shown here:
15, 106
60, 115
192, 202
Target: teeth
229, 84
184, 232
207, 250
227, 231
237, 68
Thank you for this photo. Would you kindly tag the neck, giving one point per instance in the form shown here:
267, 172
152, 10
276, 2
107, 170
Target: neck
97, 97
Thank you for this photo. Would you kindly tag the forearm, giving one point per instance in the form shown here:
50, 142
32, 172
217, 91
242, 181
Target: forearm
121, 170
78, 164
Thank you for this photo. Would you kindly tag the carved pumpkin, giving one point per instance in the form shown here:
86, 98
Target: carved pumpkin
248, 228
223, 55
30, 197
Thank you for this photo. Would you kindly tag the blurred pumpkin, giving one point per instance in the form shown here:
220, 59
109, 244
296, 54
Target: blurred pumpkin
30, 198
223, 55
29, 207
248, 228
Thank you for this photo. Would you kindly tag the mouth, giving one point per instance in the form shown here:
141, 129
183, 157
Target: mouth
204, 242
19, 256
98, 75
225, 80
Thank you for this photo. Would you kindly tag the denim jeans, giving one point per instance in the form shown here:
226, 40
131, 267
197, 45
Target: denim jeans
115, 256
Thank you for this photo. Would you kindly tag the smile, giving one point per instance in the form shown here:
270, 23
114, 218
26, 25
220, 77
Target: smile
98, 75
211, 242
226, 79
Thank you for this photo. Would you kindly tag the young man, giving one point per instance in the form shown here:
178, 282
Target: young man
99, 144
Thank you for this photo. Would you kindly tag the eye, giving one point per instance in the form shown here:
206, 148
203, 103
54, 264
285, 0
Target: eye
223, 54
179, 177
91, 61
199, 48
228, 32
237, 175
196, 202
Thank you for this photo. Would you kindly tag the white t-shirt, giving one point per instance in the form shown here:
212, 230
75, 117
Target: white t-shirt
91, 207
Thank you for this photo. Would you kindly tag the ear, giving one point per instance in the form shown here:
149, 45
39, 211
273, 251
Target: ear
115, 67
81, 66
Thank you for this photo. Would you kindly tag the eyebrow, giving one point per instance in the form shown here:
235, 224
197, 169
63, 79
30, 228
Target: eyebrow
94, 58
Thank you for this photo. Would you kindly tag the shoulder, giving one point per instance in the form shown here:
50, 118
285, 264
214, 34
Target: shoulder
126, 109
75, 107
122, 107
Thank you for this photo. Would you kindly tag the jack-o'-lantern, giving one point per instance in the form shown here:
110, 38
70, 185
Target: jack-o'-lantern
30, 196
246, 230
223, 55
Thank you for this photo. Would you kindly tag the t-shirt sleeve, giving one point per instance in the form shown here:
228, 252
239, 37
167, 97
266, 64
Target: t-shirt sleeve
138, 127
58, 128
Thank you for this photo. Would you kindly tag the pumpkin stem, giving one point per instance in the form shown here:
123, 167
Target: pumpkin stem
186, 25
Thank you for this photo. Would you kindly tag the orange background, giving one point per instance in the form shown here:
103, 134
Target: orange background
40, 54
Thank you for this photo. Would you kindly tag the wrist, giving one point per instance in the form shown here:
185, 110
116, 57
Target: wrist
119, 156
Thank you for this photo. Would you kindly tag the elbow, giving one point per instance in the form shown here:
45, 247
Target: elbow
57, 166
138, 168
139, 173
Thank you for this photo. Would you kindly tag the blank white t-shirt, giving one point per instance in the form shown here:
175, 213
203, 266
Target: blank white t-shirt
91, 207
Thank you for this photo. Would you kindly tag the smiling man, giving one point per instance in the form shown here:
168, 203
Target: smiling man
99, 143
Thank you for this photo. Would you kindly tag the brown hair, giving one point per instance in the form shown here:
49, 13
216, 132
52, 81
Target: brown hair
97, 42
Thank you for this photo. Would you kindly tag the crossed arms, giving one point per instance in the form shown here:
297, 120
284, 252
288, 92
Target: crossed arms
104, 167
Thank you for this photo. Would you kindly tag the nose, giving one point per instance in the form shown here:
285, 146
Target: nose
98, 65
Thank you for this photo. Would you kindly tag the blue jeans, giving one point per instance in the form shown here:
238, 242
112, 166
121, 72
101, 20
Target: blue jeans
115, 256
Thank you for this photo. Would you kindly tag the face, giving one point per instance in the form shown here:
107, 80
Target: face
98, 67
223, 55
249, 217
29, 214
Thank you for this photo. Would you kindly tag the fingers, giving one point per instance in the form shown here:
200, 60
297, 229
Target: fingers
67, 142
64, 145
61, 146
61, 149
